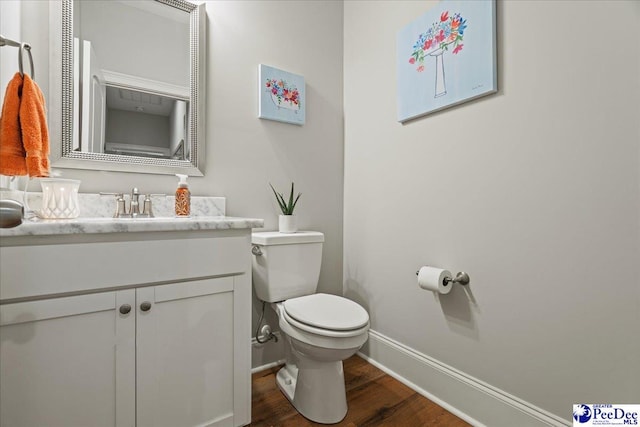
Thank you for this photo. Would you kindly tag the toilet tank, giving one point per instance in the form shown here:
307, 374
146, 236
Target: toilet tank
289, 265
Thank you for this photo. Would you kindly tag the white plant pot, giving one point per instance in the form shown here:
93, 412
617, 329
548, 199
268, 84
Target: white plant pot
288, 224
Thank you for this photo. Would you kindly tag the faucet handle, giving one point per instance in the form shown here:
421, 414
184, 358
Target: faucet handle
121, 208
147, 210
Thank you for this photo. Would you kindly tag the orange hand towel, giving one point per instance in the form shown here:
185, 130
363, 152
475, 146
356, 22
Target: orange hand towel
12, 154
35, 133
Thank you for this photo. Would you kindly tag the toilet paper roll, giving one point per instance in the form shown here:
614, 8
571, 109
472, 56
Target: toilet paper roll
432, 279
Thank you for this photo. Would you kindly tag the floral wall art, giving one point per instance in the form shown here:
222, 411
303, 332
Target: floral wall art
446, 57
281, 96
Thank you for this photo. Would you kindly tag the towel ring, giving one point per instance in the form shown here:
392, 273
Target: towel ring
26, 46
21, 46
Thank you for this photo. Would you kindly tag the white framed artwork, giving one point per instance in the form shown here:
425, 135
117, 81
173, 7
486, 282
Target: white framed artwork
446, 57
281, 95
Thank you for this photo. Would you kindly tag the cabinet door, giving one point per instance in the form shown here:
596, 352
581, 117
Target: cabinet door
185, 354
68, 361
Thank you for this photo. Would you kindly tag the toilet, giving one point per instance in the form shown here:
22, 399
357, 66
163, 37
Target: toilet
320, 330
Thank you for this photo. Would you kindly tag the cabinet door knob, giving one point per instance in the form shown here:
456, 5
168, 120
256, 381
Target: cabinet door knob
145, 306
125, 309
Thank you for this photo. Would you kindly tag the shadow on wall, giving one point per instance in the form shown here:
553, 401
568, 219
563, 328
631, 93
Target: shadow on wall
458, 307
354, 290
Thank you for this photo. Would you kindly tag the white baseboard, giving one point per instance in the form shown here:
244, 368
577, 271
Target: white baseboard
267, 366
470, 399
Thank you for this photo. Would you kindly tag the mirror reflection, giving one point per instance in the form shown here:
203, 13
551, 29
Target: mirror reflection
143, 124
132, 76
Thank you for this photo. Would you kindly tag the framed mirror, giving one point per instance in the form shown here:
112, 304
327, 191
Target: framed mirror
128, 77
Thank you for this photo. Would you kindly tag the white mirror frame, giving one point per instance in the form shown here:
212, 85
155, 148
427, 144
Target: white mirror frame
61, 100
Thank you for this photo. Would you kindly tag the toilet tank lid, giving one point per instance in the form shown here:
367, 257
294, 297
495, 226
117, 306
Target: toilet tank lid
267, 238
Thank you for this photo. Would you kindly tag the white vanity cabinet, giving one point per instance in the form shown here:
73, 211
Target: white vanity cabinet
185, 354
67, 362
129, 329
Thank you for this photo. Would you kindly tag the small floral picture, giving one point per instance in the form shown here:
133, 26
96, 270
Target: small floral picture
446, 57
281, 95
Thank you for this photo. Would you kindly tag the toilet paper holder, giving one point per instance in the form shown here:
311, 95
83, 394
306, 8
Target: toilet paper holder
461, 278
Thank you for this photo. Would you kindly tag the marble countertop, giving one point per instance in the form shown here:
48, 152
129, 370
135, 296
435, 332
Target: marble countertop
45, 227
207, 213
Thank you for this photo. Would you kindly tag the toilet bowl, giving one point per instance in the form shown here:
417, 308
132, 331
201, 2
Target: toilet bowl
313, 377
320, 330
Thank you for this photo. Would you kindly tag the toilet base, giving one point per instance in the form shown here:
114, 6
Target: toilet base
315, 389
286, 379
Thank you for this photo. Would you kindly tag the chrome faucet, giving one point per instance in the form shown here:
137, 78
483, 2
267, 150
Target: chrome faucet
134, 210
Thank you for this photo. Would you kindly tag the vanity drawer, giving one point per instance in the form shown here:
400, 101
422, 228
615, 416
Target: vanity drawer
47, 269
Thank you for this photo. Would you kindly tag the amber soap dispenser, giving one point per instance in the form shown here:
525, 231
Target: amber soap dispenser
183, 197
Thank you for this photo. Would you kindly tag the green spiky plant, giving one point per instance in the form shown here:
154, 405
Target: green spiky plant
286, 208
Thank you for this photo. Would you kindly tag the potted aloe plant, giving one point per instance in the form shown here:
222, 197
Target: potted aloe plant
287, 222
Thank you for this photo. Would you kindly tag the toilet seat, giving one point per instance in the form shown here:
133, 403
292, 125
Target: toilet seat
326, 315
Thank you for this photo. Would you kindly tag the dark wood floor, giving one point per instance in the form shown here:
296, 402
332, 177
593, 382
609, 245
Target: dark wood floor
374, 399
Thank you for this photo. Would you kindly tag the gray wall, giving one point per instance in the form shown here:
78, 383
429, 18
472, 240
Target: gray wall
533, 191
244, 153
